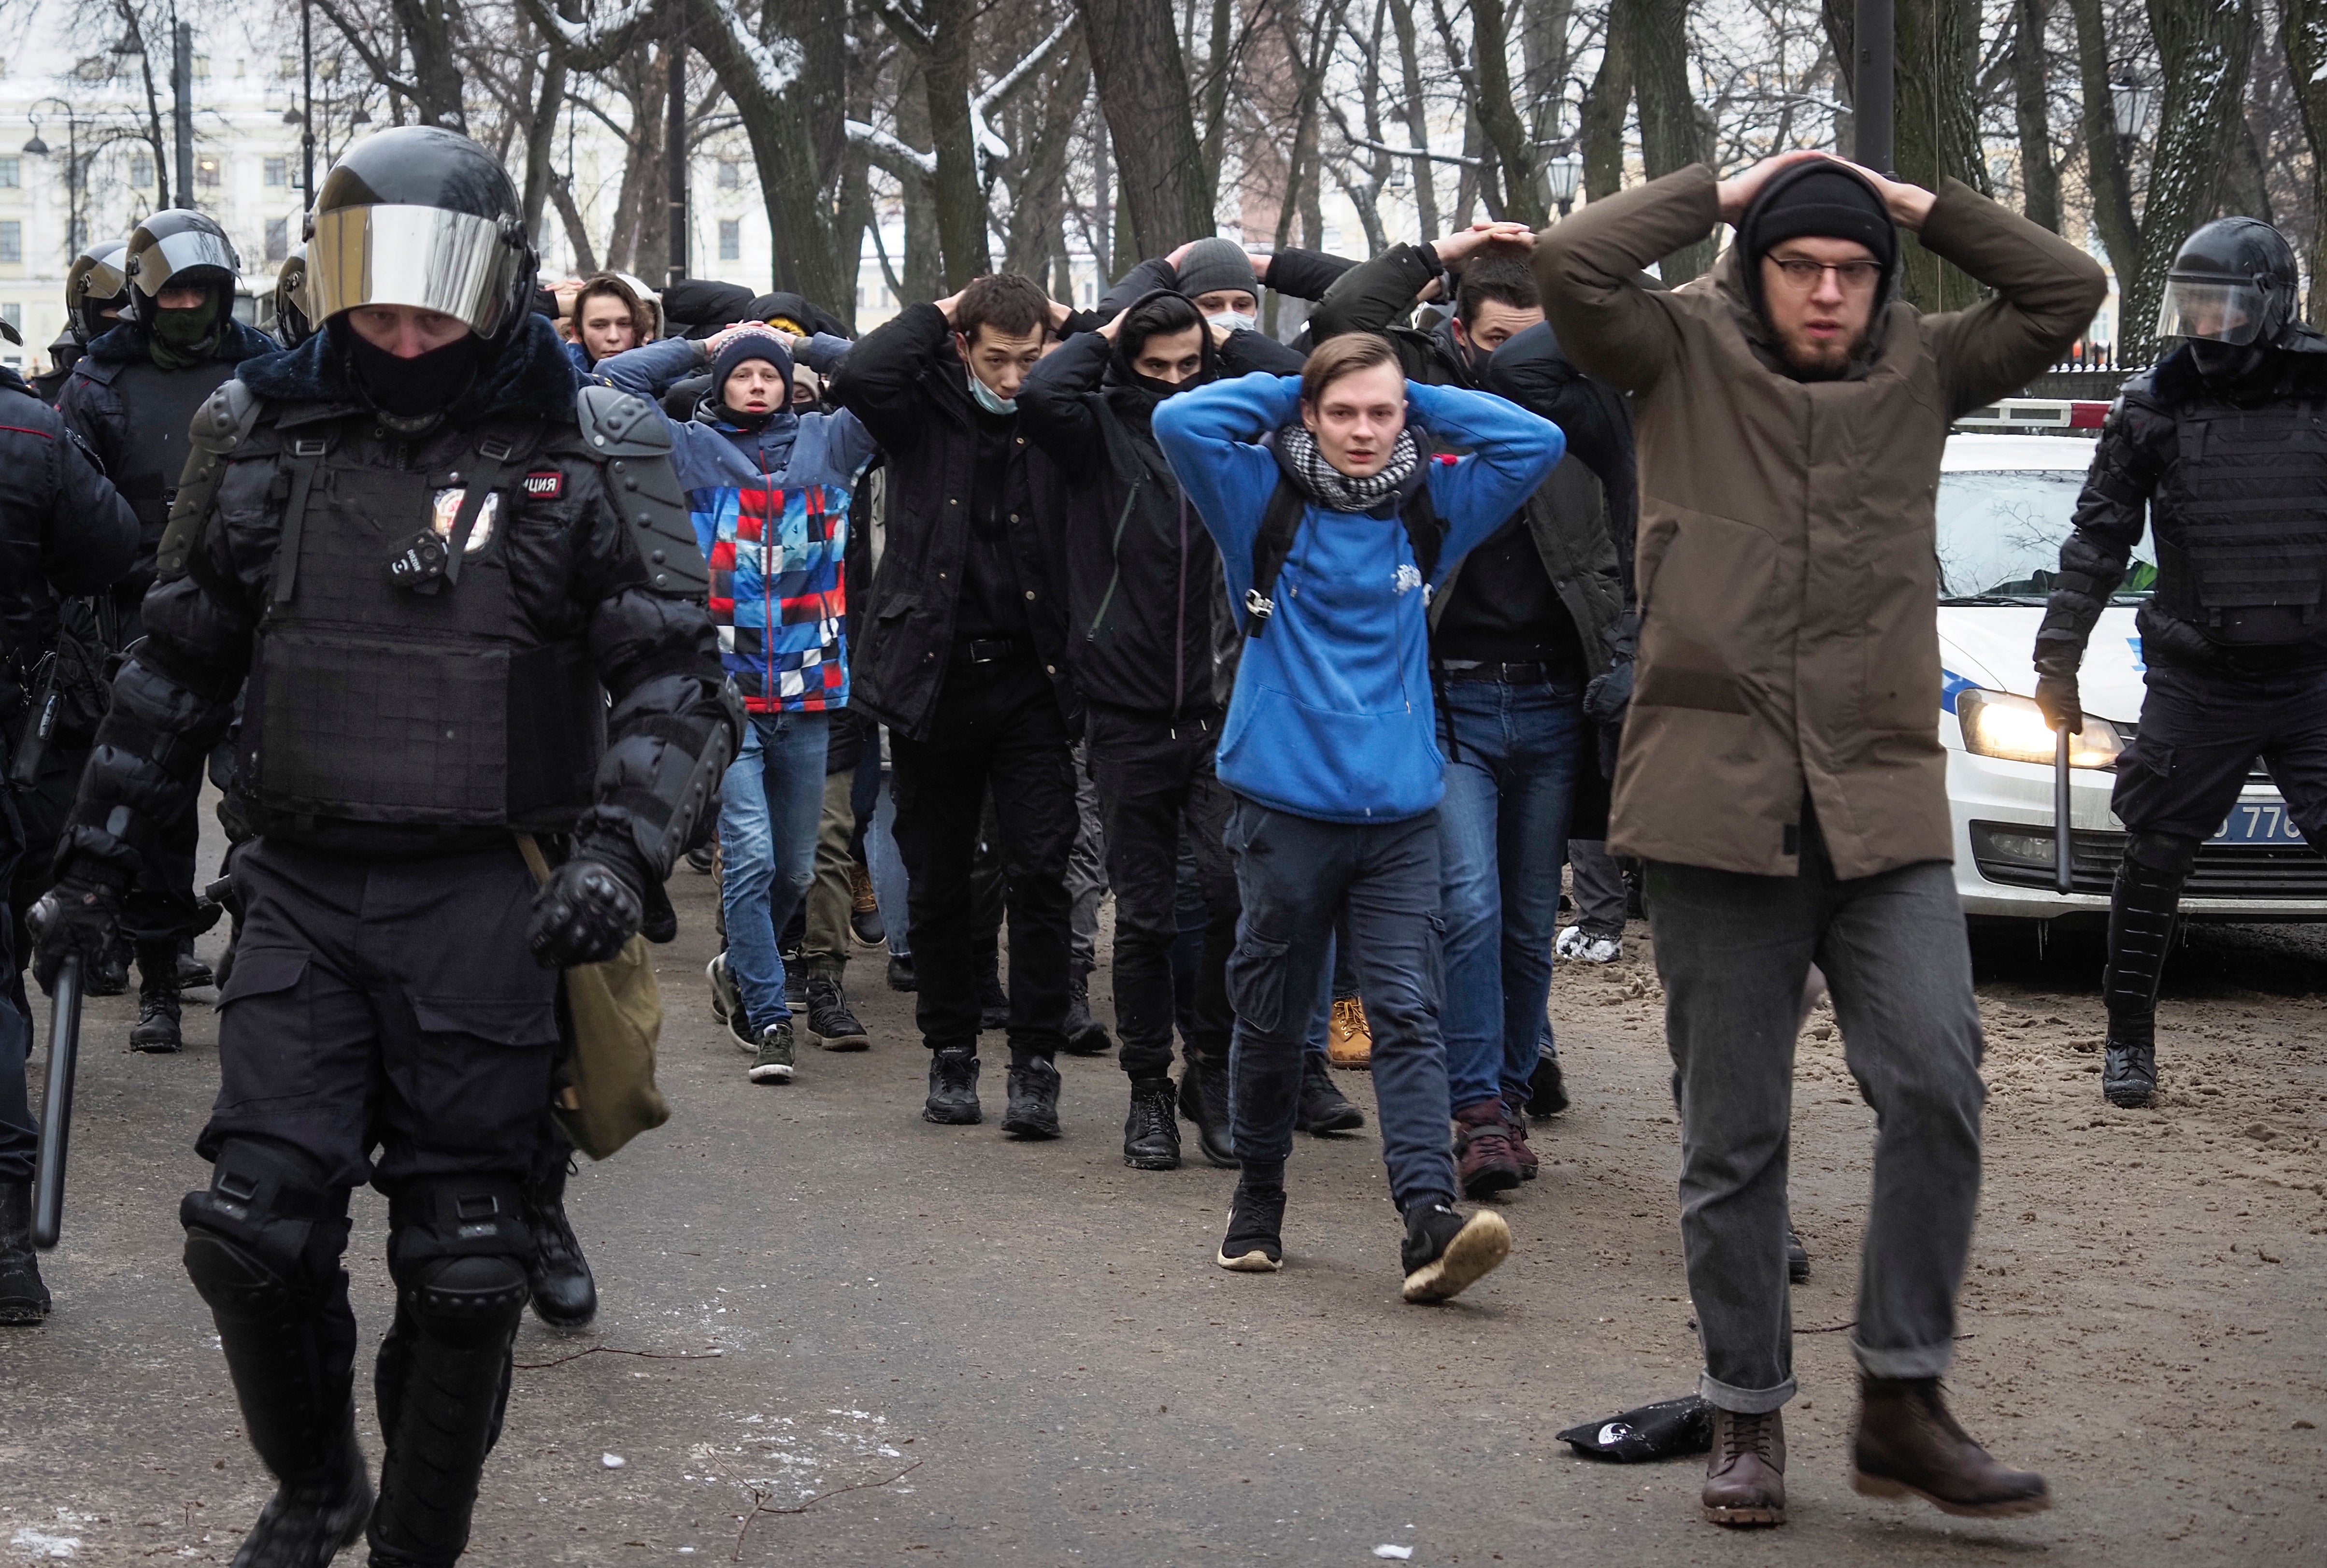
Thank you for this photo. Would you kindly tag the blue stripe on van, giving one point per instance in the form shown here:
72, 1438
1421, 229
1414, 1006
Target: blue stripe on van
1950, 683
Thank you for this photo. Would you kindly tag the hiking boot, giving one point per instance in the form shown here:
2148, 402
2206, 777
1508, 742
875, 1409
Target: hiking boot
2129, 1066
308, 1524
157, 1003
1322, 1108
993, 1002
773, 1064
23, 1298
1085, 1035
1909, 1445
1746, 1474
1484, 1162
698, 860
1150, 1133
1348, 1039
1254, 1242
1584, 948
1798, 1258
865, 920
1204, 1100
1445, 1254
1515, 1128
727, 1003
565, 1296
953, 1088
901, 976
1547, 1087
1033, 1112
830, 1023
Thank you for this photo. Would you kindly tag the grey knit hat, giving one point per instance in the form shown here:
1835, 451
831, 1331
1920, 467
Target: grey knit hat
1216, 264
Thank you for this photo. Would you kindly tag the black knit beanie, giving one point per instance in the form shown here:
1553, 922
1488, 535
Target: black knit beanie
743, 347
1822, 198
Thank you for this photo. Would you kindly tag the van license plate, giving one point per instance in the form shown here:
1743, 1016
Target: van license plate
2265, 822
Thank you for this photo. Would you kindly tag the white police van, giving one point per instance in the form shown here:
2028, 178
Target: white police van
2005, 503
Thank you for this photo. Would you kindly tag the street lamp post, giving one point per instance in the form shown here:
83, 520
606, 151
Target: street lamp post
1564, 175
2131, 102
40, 149
307, 102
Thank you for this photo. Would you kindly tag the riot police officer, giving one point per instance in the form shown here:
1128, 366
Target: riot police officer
63, 532
96, 291
292, 325
459, 585
2222, 446
131, 397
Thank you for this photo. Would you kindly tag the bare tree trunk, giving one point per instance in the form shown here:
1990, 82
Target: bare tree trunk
796, 133
1937, 130
1546, 50
1038, 188
1220, 76
1143, 91
577, 230
1487, 74
2302, 33
2202, 50
427, 29
2105, 174
1671, 135
541, 129
924, 268
2039, 179
1602, 127
1417, 116
640, 242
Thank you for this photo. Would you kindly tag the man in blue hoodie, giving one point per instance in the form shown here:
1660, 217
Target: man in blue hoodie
1333, 522
769, 492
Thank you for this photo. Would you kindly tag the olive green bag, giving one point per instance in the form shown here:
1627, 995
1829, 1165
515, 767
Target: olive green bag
608, 1095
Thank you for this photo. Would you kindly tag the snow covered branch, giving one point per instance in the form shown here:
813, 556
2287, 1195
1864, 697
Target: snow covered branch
890, 154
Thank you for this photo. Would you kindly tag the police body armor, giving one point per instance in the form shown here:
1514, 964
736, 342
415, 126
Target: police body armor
2243, 553
371, 702
160, 404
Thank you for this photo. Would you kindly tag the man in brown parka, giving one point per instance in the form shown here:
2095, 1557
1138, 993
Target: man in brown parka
1782, 770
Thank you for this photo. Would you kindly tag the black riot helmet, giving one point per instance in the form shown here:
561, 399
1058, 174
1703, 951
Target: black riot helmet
292, 325
179, 249
421, 216
97, 283
2232, 282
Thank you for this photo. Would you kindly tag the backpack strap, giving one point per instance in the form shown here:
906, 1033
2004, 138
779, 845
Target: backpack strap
1278, 527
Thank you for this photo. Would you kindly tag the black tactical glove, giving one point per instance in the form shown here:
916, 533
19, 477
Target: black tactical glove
584, 914
81, 915
2056, 696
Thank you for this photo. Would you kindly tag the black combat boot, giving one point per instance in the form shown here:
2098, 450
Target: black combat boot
2142, 907
23, 1299
1204, 1100
157, 999
565, 1295
192, 973
1150, 1133
1322, 1108
1033, 1109
110, 976
1085, 1035
953, 1087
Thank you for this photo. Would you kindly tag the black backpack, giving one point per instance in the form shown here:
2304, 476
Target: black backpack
1426, 532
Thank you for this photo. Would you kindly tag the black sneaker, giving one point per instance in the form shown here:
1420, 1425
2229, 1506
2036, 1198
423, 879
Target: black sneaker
1798, 1258
795, 983
1150, 1133
992, 1002
698, 860
830, 1023
2129, 1068
1254, 1244
156, 1032
1546, 1087
953, 1088
1033, 1110
773, 1064
1085, 1035
1445, 1254
1322, 1108
1204, 1100
900, 974
727, 1003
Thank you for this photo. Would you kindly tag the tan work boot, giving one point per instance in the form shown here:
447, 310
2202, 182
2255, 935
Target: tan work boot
1348, 1039
1745, 1476
1908, 1444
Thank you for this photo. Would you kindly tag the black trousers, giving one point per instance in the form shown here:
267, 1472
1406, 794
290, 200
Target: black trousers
388, 1005
2201, 733
998, 728
1155, 782
20, 1141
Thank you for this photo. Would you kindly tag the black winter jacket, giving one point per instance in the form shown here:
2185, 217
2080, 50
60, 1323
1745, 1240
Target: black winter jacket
2136, 481
573, 568
63, 531
1150, 630
912, 391
1304, 274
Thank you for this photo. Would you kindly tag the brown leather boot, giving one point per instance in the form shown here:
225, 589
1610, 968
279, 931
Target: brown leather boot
1907, 1443
1745, 1476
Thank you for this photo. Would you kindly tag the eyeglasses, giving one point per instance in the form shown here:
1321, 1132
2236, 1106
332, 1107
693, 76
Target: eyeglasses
1802, 274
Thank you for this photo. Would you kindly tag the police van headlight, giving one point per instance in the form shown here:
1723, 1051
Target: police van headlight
1999, 724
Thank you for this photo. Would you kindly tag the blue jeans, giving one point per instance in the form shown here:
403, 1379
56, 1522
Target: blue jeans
771, 806
1294, 874
1513, 753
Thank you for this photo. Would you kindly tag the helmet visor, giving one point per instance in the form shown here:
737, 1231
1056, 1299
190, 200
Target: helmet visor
95, 280
422, 256
162, 259
2213, 309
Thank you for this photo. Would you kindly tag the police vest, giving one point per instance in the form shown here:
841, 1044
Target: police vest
372, 703
159, 405
2242, 522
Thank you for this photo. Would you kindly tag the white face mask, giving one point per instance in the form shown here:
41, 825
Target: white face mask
988, 399
1232, 321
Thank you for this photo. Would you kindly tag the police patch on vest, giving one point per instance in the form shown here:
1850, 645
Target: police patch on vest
447, 507
545, 487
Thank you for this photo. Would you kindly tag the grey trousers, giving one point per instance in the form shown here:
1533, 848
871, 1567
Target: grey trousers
1086, 867
1735, 953
1600, 893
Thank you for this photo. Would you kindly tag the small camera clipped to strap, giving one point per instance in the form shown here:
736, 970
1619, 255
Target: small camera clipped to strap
419, 566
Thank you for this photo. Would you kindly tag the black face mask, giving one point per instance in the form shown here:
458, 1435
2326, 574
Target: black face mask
409, 389
2225, 362
1161, 389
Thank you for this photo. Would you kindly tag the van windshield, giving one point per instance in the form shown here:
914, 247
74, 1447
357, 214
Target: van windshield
2000, 534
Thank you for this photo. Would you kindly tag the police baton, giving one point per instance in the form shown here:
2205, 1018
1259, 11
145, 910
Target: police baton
56, 1117
2064, 880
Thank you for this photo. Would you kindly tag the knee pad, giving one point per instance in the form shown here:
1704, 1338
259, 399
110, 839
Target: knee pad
267, 1234
457, 1247
468, 1303
2168, 854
